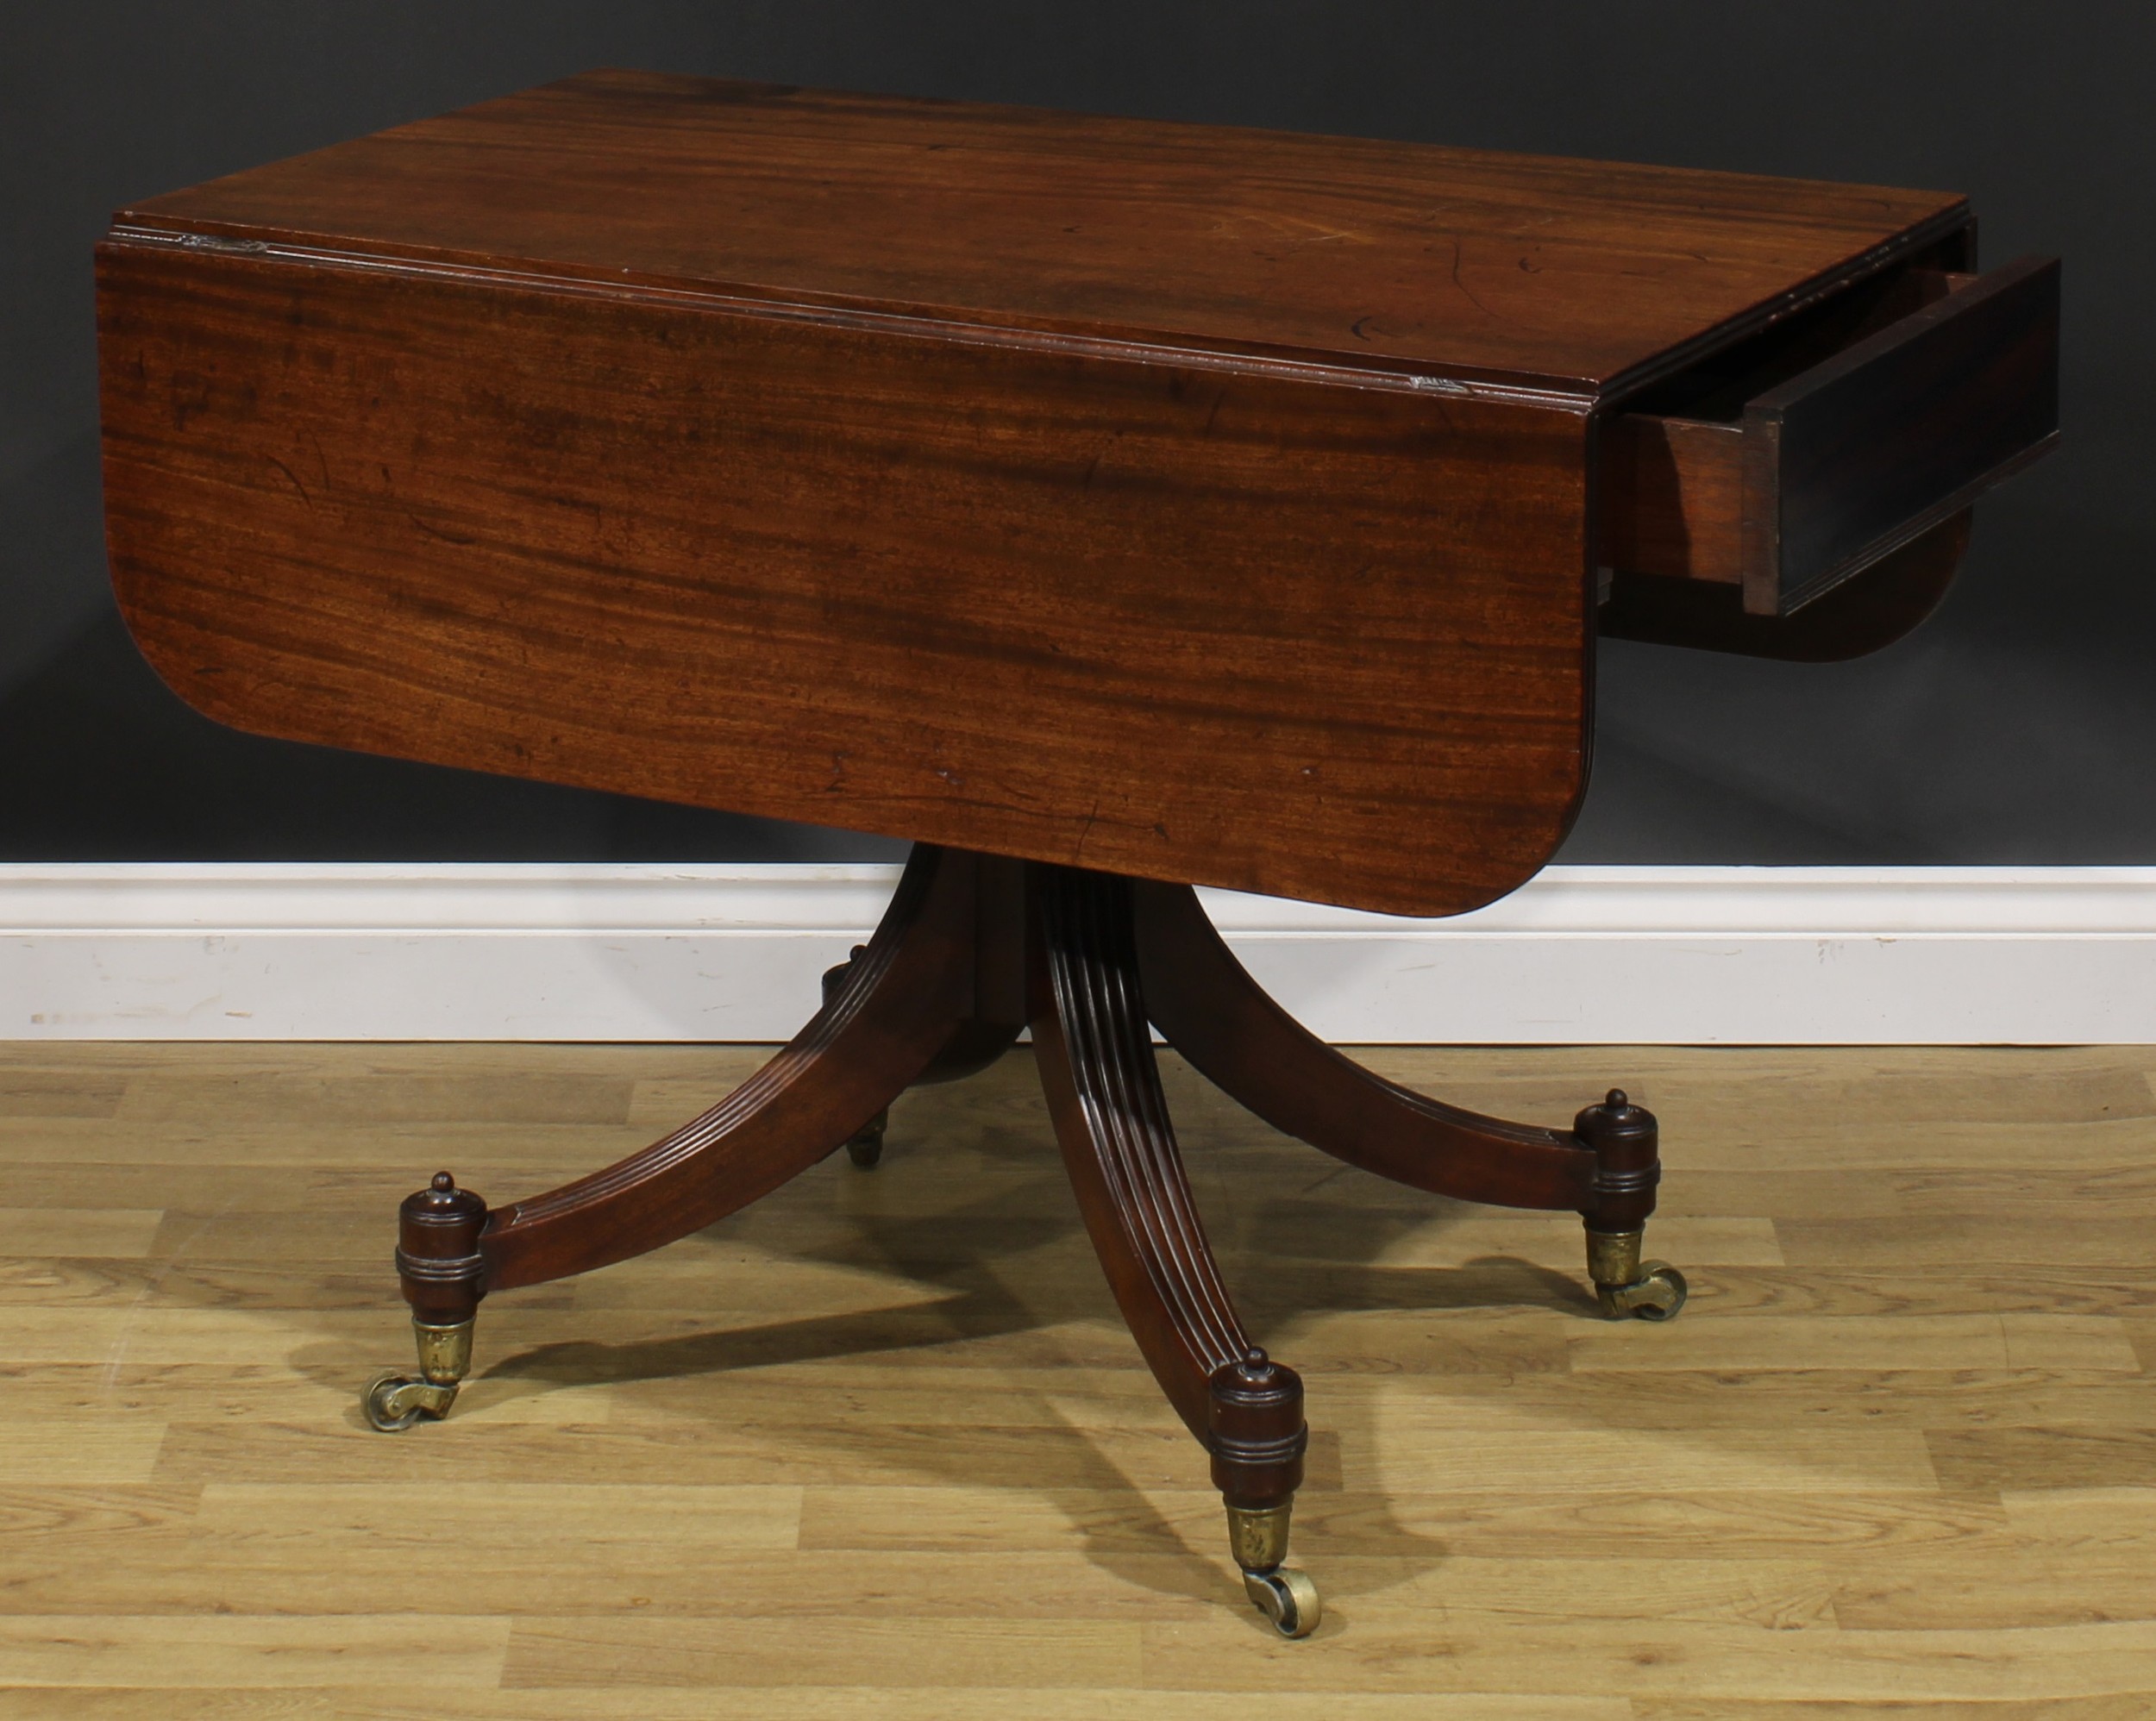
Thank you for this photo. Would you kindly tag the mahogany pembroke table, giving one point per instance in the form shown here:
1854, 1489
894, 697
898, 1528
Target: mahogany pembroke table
1108, 507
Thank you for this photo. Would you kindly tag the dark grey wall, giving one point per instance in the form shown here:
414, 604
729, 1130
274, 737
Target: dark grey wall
2020, 724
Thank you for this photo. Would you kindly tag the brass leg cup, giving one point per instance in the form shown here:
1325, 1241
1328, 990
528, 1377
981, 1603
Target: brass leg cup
1626, 1286
394, 1402
1259, 1539
443, 1277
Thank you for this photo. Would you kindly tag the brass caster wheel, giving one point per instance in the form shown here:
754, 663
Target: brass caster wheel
1624, 1285
393, 1403
1288, 1598
1657, 1295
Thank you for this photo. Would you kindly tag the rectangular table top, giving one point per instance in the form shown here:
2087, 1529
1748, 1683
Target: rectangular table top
1200, 504
1582, 276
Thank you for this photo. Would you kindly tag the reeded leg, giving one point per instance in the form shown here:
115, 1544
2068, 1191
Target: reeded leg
1210, 1009
900, 1000
1096, 1062
994, 1017
1628, 1167
865, 1146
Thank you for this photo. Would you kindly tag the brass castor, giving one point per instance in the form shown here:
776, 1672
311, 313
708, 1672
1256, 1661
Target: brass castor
393, 1402
866, 1148
1624, 1285
1258, 1538
1656, 1296
1288, 1598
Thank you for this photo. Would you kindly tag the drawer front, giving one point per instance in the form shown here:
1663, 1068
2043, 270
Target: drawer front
1823, 475
1882, 442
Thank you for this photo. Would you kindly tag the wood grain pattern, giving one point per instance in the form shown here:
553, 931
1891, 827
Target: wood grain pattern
761, 564
1103, 1087
1573, 274
795, 1467
1889, 600
925, 468
1673, 497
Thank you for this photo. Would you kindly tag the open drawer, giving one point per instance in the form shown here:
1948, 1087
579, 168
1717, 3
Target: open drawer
1783, 471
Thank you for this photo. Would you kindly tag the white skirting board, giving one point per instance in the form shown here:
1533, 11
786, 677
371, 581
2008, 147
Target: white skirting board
1792, 956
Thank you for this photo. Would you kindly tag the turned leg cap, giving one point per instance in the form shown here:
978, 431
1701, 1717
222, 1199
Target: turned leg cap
866, 1149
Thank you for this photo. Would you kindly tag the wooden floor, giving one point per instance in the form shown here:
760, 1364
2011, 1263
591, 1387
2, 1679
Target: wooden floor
879, 1447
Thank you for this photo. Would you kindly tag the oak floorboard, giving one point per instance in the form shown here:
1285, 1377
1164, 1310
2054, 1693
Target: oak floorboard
201, 1648
2121, 1289
1774, 1398
2087, 1343
2129, 1706
32, 1231
946, 1703
1650, 1656
961, 1652
881, 1447
2041, 1584
115, 1448
167, 1703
